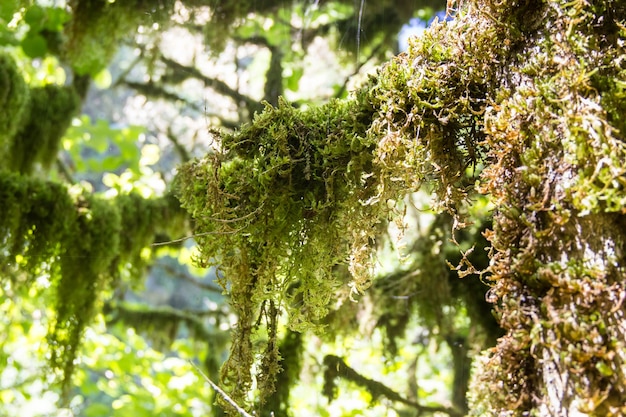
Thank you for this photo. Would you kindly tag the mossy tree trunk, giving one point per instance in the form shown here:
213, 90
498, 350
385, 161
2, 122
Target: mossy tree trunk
556, 175
532, 92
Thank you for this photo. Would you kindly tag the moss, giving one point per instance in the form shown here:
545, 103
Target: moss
50, 111
82, 243
143, 220
530, 89
559, 146
14, 95
159, 324
98, 26
85, 255
290, 351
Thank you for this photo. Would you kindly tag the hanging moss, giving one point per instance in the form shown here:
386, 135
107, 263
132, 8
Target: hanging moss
144, 221
290, 351
98, 26
14, 95
297, 193
28, 205
85, 256
81, 243
50, 111
160, 324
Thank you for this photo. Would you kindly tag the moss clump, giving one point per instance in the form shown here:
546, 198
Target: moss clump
85, 257
81, 242
268, 210
14, 96
49, 113
26, 226
98, 26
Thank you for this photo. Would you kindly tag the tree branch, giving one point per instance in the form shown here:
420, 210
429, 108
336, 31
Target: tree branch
186, 277
219, 86
225, 396
336, 367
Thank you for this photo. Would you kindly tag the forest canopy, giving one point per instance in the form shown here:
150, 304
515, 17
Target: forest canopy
492, 149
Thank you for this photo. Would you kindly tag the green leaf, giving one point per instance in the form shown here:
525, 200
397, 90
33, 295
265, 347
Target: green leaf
34, 45
34, 16
293, 81
97, 410
56, 18
8, 9
112, 163
103, 79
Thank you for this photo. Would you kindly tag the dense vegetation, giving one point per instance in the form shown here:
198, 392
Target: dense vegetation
509, 116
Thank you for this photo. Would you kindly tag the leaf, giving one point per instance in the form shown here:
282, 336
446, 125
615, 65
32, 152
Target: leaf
103, 79
112, 163
8, 9
97, 410
56, 18
293, 81
34, 45
34, 16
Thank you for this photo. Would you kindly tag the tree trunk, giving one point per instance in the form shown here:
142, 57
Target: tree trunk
557, 145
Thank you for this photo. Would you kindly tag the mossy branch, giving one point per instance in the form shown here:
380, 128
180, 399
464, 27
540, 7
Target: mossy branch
337, 368
83, 241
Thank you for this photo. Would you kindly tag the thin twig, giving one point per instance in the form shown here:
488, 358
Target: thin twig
225, 396
182, 239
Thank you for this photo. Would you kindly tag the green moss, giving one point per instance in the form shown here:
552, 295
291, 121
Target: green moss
85, 256
559, 143
14, 95
98, 26
532, 90
28, 205
82, 243
50, 111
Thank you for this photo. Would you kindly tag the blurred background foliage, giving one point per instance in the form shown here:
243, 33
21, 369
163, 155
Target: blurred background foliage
153, 79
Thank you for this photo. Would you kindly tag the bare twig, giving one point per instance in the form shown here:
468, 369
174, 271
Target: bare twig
182, 239
225, 396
